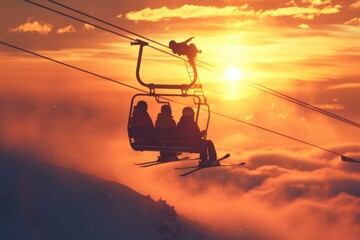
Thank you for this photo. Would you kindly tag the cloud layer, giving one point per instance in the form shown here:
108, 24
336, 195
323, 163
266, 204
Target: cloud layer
289, 192
185, 12
314, 8
34, 27
67, 29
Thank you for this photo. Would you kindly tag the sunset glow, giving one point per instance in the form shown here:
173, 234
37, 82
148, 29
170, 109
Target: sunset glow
308, 50
233, 74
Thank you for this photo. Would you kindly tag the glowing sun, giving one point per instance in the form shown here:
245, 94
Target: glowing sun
233, 74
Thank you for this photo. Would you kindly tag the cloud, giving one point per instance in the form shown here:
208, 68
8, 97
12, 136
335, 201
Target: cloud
317, 2
331, 106
67, 29
304, 26
324, 183
355, 5
186, 12
33, 26
88, 27
354, 22
344, 86
301, 12
317, 7
278, 194
237, 24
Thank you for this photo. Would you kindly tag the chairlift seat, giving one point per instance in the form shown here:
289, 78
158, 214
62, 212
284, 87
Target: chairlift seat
163, 140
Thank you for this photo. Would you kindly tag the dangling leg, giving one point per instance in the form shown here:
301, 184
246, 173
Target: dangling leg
162, 157
203, 154
212, 153
167, 156
191, 60
211, 150
193, 51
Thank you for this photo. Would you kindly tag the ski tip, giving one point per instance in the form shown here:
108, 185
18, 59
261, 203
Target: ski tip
149, 165
184, 174
347, 159
241, 164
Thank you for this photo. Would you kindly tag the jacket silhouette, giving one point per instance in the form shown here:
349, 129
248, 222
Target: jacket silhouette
188, 125
165, 119
141, 120
165, 122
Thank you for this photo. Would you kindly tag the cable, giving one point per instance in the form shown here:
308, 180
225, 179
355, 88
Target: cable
72, 66
105, 22
80, 20
216, 113
296, 101
304, 104
255, 85
125, 30
120, 28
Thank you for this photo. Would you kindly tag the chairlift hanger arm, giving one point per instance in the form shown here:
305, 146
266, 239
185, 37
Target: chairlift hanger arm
153, 86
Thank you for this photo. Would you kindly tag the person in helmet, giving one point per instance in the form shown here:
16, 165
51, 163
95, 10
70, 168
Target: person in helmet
187, 124
165, 118
141, 119
165, 122
182, 48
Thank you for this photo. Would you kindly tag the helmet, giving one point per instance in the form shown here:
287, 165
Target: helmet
166, 109
172, 44
188, 111
142, 105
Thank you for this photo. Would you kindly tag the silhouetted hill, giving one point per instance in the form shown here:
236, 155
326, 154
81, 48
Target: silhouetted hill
42, 201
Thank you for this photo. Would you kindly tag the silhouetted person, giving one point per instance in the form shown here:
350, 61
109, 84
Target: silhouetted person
141, 120
187, 124
182, 48
166, 122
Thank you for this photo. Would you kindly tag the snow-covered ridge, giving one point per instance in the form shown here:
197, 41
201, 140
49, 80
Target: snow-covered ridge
42, 201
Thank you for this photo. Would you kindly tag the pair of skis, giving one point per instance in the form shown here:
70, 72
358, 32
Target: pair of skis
198, 168
157, 162
193, 168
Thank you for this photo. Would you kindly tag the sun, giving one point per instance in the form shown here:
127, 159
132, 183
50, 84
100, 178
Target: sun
233, 74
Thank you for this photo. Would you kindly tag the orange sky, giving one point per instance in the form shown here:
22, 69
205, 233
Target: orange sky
308, 49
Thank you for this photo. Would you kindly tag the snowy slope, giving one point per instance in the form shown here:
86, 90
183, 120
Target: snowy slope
40, 201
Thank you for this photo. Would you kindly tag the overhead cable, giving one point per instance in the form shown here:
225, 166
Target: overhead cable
344, 158
251, 83
128, 31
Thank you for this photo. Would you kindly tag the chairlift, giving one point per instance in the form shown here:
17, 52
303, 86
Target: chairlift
167, 140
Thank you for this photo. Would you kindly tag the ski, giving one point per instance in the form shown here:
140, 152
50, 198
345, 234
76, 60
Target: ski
347, 159
156, 161
199, 168
220, 159
223, 165
159, 162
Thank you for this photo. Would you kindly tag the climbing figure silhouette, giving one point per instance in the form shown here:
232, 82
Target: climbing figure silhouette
182, 48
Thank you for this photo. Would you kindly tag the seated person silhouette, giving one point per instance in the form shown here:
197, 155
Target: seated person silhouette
166, 122
187, 124
182, 48
141, 121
